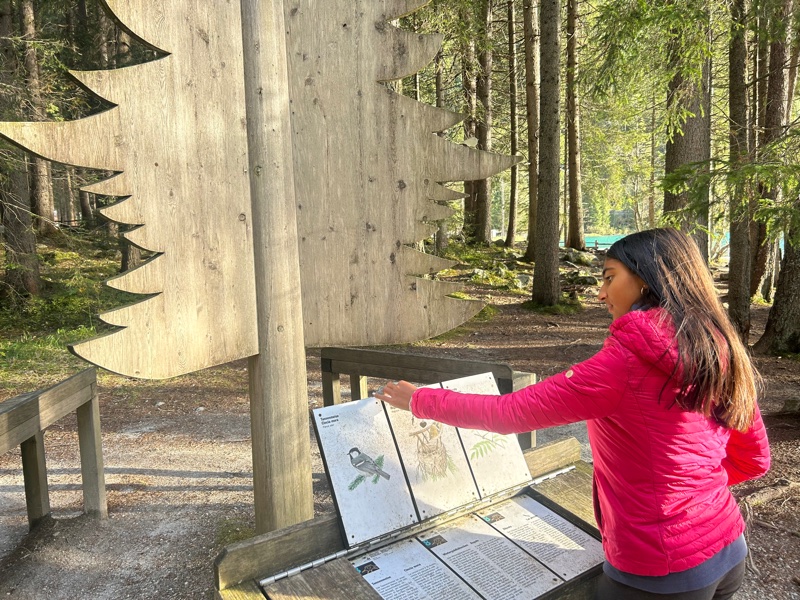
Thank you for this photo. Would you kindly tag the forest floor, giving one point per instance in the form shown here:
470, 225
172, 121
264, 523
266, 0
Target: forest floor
179, 469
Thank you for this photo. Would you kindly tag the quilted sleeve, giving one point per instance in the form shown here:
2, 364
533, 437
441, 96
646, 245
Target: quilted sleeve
589, 390
748, 455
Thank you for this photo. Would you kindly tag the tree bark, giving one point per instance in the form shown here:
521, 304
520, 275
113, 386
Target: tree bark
739, 245
546, 285
691, 145
531, 25
575, 236
22, 263
41, 183
483, 187
511, 232
782, 332
470, 99
758, 229
774, 106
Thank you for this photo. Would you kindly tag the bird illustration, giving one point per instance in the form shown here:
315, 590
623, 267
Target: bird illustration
365, 464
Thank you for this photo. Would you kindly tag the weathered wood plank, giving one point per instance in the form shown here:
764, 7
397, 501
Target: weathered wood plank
335, 580
368, 361
23, 431
167, 115
41, 420
34, 468
552, 457
571, 491
278, 551
70, 386
368, 156
247, 590
91, 451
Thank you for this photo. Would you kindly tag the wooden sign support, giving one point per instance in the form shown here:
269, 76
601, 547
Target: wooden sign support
277, 374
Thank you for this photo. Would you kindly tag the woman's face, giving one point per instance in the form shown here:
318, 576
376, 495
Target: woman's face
621, 288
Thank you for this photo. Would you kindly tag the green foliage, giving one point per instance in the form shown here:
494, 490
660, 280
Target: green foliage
35, 331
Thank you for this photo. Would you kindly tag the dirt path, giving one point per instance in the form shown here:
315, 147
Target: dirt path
179, 473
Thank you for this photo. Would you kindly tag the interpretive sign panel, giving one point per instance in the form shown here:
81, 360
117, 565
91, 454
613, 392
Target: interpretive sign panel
367, 479
408, 571
496, 460
437, 468
488, 561
554, 541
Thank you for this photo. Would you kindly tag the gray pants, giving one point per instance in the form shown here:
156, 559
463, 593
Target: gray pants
722, 589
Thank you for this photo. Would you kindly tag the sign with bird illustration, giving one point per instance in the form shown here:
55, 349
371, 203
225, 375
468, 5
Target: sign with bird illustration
367, 479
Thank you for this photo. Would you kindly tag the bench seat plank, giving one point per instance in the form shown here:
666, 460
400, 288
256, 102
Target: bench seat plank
335, 580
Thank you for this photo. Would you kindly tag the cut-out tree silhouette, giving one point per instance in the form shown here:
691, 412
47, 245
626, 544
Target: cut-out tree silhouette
367, 169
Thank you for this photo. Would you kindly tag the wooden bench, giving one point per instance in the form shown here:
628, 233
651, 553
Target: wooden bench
240, 566
23, 420
359, 364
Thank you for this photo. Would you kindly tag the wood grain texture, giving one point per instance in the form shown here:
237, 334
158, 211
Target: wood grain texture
368, 163
247, 590
572, 491
335, 580
278, 551
177, 135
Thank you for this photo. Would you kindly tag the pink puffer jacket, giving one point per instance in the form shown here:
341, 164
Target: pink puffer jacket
661, 474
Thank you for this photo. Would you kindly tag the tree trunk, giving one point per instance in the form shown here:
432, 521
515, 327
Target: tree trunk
41, 183
690, 141
782, 332
531, 25
546, 286
774, 106
87, 216
511, 233
575, 236
739, 245
70, 201
758, 229
470, 98
651, 200
483, 195
22, 262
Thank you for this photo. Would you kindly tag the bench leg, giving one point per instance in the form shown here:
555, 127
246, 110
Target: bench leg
358, 386
331, 389
34, 472
91, 448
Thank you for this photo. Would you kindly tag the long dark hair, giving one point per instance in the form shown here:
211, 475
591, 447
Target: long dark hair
718, 378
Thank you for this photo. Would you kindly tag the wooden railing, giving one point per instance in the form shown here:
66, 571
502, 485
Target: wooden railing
23, 420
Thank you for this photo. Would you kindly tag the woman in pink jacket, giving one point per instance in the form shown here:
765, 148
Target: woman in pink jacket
670, 405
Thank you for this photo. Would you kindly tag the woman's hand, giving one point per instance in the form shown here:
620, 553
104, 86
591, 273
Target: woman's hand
397, 393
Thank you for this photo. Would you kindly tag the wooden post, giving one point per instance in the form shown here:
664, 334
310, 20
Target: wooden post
91, 449
277, 374
34, 467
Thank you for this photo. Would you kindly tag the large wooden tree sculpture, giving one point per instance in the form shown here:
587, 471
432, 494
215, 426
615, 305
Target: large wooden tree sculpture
367, 170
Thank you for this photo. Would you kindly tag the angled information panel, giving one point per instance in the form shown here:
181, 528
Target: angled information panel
367, 479
496, 460
558, 544
438, 470
391, 472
